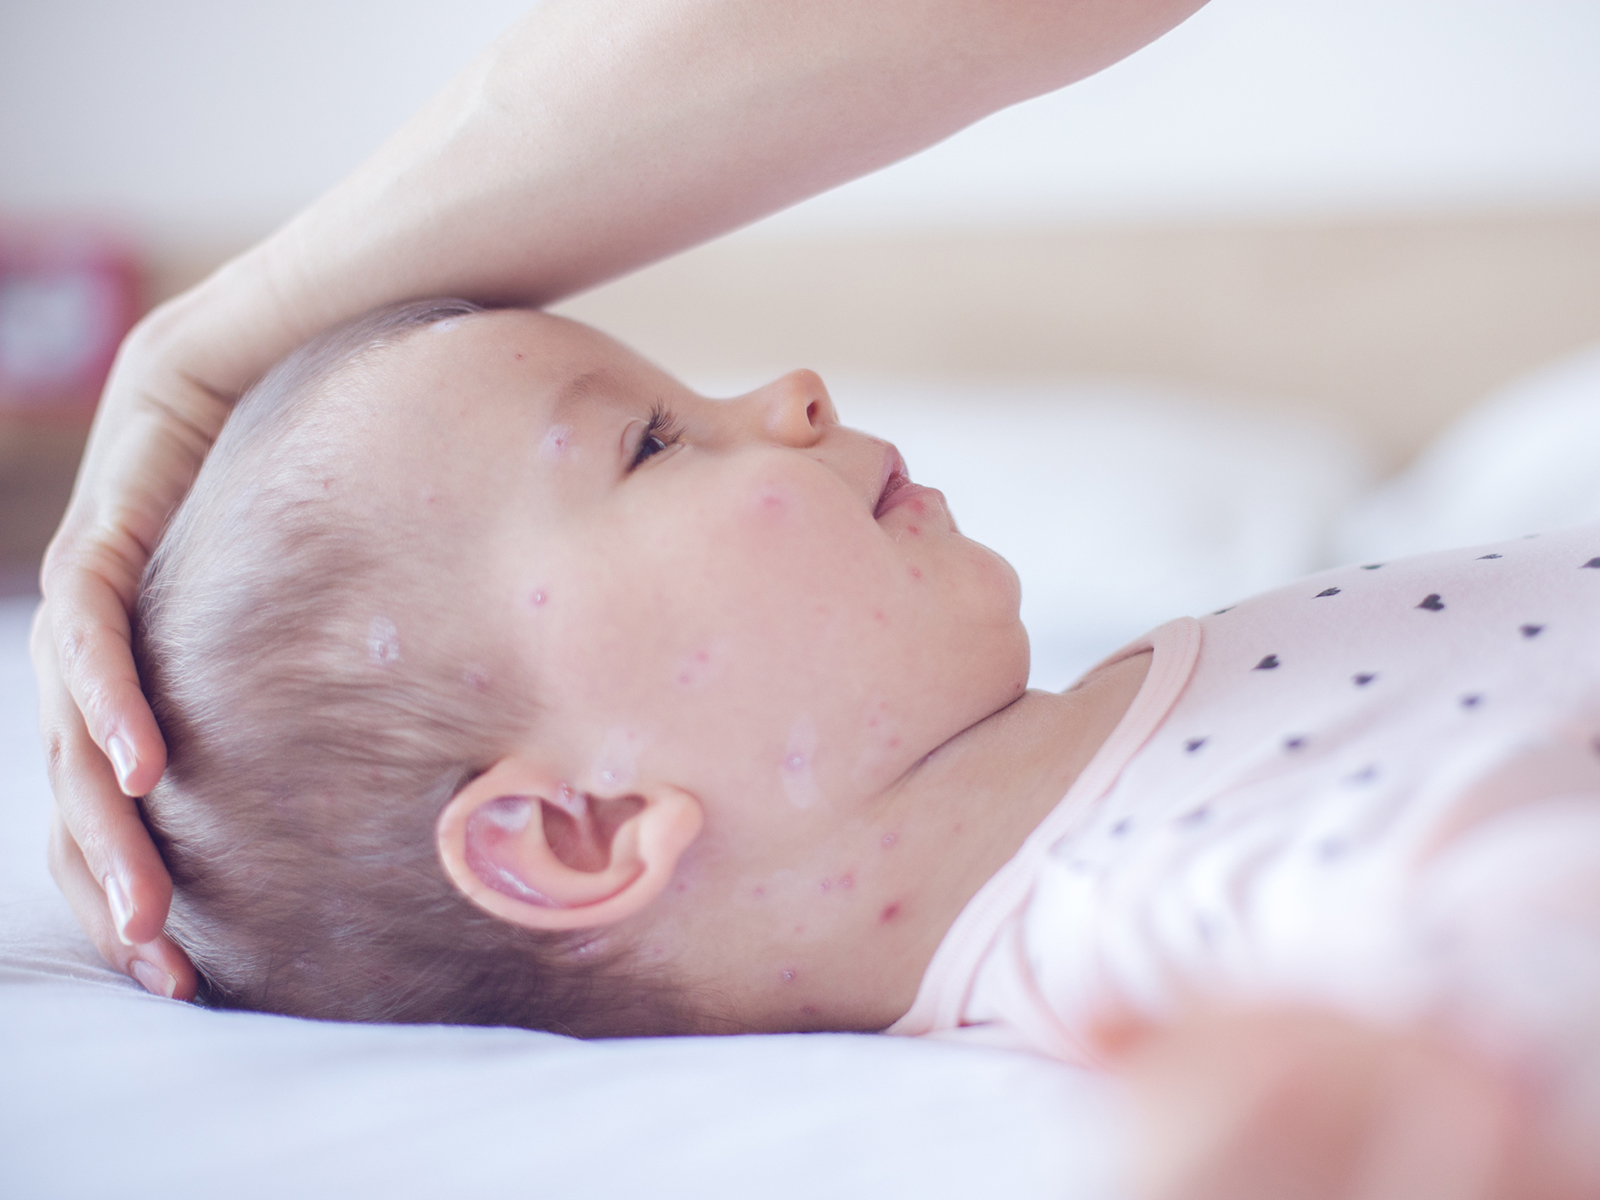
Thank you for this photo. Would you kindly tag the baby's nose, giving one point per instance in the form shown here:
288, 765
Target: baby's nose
798, 409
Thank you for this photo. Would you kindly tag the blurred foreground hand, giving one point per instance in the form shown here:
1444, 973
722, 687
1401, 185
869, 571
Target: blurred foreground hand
1301, 1105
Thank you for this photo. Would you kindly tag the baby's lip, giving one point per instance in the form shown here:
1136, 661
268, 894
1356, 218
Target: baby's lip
891, 478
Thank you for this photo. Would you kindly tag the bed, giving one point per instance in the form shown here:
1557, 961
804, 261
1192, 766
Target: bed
1161, 498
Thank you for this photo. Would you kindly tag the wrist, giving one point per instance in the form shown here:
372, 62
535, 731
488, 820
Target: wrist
221, 334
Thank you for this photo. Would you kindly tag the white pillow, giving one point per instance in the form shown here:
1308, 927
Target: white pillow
1526, 460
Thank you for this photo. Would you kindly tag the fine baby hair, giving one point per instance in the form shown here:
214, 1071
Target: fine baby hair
312, 744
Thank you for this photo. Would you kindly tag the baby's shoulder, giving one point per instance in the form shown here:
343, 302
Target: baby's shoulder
1365, 683
1518, 607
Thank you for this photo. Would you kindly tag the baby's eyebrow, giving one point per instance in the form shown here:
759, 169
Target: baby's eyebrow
580, 387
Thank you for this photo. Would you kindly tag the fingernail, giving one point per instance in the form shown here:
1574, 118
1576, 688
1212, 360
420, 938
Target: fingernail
122, 760
156, 981
121, 910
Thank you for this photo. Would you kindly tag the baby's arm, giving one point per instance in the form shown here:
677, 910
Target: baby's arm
1302, 1104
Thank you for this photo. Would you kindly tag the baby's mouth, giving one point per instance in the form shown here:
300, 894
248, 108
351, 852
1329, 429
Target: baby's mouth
896, 479
897, 491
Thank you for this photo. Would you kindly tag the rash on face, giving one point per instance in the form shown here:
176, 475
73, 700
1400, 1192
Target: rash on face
556, 444
698, 667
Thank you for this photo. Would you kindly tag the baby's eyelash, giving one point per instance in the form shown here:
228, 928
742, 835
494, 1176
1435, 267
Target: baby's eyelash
661, 430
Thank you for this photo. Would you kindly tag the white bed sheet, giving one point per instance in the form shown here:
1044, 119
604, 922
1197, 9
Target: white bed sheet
107, 1091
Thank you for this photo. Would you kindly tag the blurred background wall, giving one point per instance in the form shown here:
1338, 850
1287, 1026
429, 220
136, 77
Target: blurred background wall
1384, 205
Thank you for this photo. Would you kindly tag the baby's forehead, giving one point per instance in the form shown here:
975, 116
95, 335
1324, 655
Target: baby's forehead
547, 367
500, 411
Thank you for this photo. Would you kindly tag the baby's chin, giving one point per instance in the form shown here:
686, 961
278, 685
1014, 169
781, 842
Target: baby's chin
1000, 585
1018, 661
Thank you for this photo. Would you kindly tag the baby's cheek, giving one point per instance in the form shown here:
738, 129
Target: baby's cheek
787, 576
772, 502
769, 539
772, 506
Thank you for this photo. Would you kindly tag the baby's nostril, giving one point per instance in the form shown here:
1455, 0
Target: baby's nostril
811, 412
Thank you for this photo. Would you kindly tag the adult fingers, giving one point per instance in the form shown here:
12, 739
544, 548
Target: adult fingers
157, 964
84, 620
1264, 1105
101, 823
1451, 1126
1228, 1111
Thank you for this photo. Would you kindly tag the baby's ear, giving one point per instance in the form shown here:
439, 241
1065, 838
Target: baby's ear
521, 845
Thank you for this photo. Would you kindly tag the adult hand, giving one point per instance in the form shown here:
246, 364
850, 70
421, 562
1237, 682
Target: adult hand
163, 406
1266, 1105
594, 137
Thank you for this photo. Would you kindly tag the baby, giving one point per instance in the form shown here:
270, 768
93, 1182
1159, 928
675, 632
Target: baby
710, 716
506, 680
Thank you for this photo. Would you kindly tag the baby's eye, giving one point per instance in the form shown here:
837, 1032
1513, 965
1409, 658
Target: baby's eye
660, 431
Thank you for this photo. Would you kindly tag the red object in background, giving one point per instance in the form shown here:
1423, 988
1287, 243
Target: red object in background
68, 294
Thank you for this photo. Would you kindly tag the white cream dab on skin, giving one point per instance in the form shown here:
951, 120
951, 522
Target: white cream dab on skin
383, 641
797, 769
556, 444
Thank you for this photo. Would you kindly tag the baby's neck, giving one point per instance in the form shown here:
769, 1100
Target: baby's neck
940, 834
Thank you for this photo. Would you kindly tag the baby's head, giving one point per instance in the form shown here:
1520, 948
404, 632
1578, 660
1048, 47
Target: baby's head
506, 680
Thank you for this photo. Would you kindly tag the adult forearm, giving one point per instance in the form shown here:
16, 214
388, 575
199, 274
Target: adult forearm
599, 135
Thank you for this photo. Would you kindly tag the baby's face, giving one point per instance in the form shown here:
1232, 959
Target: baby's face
741, 598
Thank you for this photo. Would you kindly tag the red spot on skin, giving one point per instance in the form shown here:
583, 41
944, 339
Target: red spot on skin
799, 928
809, 1010
890, 839
761, 891
889, 913
893, 742
788, 975
519, 358
847, 882
680, 887
825, 885
914, 530
695, 669
918, 507
877, 615
537, 598
872, 722
916, 573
